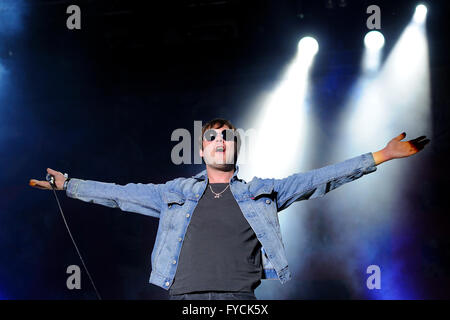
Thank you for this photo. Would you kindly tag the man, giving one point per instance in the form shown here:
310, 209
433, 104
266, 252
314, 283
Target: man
218, 235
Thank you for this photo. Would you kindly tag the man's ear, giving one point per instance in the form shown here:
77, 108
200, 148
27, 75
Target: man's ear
201, 152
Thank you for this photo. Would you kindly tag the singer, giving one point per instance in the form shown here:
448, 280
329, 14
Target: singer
219, 235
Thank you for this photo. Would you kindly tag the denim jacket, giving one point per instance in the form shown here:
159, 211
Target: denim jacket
260, 200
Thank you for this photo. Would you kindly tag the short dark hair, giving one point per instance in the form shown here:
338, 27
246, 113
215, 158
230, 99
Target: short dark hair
219, 123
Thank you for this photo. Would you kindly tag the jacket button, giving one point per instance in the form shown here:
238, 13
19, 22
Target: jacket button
170, 205
196, 195
174, 262
167, 283
187, 215
179, 239
268, 201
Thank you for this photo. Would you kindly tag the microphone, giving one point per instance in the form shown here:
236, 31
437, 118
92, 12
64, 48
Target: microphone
51, 179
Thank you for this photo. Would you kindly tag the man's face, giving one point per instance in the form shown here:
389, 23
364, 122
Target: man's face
218, 153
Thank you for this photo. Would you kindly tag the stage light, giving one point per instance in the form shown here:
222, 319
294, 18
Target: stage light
281, 145
395, 96
308, 46
420, 14
374, 40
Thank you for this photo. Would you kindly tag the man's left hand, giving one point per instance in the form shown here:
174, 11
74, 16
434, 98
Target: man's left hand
400, 149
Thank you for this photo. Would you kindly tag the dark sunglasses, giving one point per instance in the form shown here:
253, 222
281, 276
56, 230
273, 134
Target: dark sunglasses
227, 135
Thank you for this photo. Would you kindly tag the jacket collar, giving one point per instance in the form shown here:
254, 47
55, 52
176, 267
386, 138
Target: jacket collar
203, 175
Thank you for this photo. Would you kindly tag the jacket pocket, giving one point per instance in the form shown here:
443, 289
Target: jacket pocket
264, 198
171, 198
264, 191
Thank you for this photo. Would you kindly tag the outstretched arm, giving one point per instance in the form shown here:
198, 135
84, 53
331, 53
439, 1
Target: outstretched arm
316, 183
133, 197
396, 148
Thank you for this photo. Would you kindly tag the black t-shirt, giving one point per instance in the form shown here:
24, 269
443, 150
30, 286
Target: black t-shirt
220, 251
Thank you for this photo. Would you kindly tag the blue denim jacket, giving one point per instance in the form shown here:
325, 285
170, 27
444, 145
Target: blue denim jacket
260, 200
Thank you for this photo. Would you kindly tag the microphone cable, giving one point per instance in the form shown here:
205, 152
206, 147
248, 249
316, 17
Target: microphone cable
51, 179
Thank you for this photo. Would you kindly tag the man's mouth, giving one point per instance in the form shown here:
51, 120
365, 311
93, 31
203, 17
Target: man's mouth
220, 149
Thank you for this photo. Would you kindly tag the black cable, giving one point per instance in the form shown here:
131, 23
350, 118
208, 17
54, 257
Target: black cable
52, 184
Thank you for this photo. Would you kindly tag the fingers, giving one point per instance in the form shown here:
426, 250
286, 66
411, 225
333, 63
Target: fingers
424, 143
418, 139
39, 184
400, 137
53, 172
419, 142
420, 145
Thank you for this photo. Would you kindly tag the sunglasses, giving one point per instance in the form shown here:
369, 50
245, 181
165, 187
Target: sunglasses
227, 135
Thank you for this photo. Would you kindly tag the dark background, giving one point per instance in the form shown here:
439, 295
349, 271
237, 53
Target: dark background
101, 103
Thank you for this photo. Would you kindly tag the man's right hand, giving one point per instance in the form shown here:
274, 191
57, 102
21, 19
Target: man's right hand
45, 185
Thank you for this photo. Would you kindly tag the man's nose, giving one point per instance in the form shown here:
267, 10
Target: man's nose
219, 138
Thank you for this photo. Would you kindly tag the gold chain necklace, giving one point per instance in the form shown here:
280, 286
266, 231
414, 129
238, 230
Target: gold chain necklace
218, 195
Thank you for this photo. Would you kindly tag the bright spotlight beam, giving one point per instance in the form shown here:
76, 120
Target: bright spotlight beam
308, 46
420, 14
396, 96
374, 40
283, 137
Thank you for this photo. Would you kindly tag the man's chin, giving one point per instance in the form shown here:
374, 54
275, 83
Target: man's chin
222, 166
